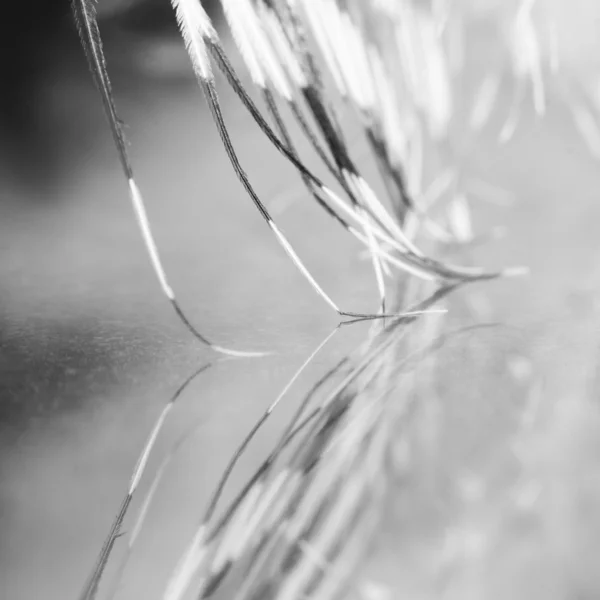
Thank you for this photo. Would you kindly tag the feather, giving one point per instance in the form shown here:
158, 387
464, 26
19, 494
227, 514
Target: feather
90, 589
196, 27
84, 12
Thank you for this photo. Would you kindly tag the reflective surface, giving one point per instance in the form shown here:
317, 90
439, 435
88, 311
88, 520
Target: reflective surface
91, 351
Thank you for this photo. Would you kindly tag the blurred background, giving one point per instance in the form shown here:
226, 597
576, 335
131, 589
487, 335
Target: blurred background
90, 350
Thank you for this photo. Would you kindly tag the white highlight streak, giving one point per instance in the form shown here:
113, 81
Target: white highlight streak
142, 219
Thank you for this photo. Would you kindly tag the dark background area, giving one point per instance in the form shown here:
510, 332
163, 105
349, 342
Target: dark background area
39, 48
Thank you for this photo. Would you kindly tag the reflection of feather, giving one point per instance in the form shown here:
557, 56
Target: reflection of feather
324, 506
91, 588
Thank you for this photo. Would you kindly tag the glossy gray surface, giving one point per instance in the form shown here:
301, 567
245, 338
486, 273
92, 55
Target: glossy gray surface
90, 349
